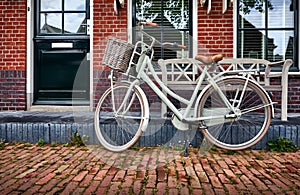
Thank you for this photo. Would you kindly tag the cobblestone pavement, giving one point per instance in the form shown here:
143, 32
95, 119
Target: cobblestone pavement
32, 169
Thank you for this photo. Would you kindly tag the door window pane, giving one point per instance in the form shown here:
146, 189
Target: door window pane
75, 5
75, 23
51, 23
51, 5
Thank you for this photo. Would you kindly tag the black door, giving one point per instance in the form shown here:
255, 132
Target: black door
61, 43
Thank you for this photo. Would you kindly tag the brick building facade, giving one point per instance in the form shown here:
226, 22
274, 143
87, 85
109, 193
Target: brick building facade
215, 33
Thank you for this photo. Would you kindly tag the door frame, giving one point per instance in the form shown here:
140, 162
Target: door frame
30, 65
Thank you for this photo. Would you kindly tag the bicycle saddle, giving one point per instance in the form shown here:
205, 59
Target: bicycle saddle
209, 59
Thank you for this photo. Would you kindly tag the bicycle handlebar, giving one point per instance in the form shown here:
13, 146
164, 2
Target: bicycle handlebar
168, 44
149, 23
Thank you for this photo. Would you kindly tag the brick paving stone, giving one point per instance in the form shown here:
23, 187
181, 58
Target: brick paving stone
114, 188
151, 182
184, 188
128, 180
215, 182
161, 188
223, 178
231, 189
45, 179
137, 187
92, 187
80, 176
140, 175
203, 177
106, 181
86, 181
174, 191
51, 184
125, 191
119, 175
46, 170
207, 188
71, 186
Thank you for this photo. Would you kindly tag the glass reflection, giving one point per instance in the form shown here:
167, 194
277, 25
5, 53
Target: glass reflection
51, 5
251, 15
75, 23
51, 23
280, 45
281, 15
75, 5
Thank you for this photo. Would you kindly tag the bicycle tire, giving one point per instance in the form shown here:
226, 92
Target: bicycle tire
247, 129
118, 132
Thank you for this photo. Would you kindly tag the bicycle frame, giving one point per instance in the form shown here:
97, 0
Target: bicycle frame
185, 116
144, 63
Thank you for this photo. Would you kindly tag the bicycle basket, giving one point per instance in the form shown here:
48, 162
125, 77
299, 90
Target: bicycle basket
117, 54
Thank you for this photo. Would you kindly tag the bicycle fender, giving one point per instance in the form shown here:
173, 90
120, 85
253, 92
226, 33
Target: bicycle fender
234, 77
146, 107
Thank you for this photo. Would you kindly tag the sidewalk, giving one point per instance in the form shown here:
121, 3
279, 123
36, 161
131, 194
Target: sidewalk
31, 169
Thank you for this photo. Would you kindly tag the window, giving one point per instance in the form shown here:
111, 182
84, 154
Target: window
175, 24
62, 17
267, 29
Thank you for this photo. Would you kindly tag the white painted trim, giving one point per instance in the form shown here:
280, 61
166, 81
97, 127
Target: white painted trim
234, 28
195, 28
129, 21
91, 55
29, 54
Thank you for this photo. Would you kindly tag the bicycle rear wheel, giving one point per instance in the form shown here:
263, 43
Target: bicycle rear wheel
239, 132
118, 122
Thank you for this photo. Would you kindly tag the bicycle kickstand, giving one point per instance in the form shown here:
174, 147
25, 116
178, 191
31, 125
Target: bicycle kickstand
186, 144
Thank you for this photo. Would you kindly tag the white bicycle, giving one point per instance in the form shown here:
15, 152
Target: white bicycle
231, 110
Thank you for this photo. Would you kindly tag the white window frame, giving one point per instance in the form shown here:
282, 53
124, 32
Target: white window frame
235, 36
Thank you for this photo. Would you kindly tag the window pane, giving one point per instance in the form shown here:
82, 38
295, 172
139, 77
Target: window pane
75, 5
173, 18
75, 23
281, 14
252, 44
280, 45
51, 23
251, 14
51, 5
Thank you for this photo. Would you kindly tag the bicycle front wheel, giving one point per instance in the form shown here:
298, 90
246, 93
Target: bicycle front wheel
244, 130
119, 121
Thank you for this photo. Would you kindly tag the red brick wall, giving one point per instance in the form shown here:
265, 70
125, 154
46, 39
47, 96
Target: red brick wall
215, 30
12, 54
106, 23
12, 34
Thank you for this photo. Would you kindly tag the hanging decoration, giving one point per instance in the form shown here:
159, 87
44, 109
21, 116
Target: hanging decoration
118, 4
208, 3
